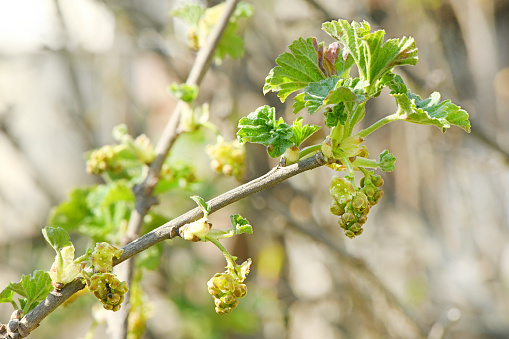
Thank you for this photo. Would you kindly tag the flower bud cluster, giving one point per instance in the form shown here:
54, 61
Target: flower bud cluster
371, 187
352, 204
228, 287
104, 284
108, 289
105, 159
116, 158
228, 157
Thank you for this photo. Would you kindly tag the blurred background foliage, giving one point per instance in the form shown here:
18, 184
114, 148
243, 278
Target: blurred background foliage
434, 249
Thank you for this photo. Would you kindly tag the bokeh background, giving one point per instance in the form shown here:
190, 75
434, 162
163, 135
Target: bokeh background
434, 258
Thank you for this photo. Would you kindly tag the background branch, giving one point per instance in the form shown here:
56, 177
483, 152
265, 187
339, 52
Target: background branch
118, 322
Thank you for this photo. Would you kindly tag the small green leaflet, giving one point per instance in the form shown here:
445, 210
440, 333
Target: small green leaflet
262, 127
431, 111
373, 57
331, 91
240, 225
33, 288
301, 133
57, 237
184, 92
296, 69
202, 204
202, 21
190, 13
386, 161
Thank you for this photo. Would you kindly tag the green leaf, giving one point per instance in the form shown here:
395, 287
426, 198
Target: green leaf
386, 161
109, 194
431, 111
57, 237
6, 295
202, 204
71, 213
301, 133
203, 20
189, 12
299, 103
316, 92
333, 91
296, 69
262, 127
335, 115
184, 92
33, 288
373, 56
240, 225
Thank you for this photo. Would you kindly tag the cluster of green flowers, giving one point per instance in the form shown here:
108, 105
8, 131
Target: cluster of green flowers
352, 204
116, 158
227, 157
108, 289
228, 287
104, 284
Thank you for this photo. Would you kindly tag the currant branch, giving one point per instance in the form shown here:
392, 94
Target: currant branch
170, 230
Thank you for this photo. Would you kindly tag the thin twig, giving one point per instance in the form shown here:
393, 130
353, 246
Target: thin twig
170, 230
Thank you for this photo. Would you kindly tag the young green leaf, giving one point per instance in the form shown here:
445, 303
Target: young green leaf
110, 194
57, 237
336, 115
240, 225
431, 111
296, 69
262, 127
203, 20
333, 91
71, 213
33, 288
184, 92
202, 204
373, 57
386, 161
6, 296
189, 12
301, 133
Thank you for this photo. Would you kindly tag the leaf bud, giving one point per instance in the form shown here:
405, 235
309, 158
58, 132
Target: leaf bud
17, 314
292, 155
13, 325
327, 148
196, 230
